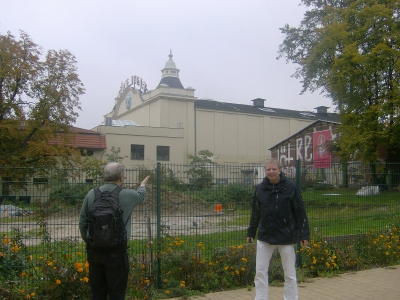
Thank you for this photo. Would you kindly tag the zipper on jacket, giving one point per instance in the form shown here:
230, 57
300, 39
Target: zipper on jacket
284, 220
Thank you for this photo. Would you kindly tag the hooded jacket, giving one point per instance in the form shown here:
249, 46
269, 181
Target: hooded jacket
278, 213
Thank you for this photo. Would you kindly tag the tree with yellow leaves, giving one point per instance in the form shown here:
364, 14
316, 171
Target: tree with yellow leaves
39, 99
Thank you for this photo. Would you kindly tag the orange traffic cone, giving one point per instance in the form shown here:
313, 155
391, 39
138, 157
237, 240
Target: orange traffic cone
218, 208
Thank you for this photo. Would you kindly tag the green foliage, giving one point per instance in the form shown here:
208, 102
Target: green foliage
350, 51
201, 176
115, 155
168, 178
184, 267
320, 258
71, 194
59, 270
65, 275
381, 248
13, 255
38, 103
94, 167
239, 193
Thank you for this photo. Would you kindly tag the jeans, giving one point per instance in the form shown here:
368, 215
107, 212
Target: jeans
288, 256
108, 274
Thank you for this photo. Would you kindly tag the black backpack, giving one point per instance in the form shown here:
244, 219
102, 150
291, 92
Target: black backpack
106, 226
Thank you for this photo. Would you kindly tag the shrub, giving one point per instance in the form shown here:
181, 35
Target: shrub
320, 258
13, 255
70, 194
65, 275
60, 271
185, 267
168, 177
381, 248
239, 193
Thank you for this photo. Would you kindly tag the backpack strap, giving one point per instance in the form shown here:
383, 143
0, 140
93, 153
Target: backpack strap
116, 193
97, 193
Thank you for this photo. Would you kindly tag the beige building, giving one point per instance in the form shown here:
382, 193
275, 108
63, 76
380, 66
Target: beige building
169, 123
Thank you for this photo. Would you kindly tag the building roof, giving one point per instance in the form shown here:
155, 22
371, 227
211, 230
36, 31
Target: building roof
84, 139
305, 129
257, 109
173, 82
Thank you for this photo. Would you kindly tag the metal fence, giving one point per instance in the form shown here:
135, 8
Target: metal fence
207, 204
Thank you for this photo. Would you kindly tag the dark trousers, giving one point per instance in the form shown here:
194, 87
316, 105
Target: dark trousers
108, 274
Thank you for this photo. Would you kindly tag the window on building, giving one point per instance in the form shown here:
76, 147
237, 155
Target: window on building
163, 153
222, 181
137, 152
40, 180
87, 152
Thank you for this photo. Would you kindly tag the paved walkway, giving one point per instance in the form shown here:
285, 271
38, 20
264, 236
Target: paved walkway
374, 284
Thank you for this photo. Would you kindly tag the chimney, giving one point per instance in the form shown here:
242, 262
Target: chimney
258, 102
322, 110
108, 121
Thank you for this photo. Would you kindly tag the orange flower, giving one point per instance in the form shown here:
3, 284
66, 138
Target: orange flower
78, 265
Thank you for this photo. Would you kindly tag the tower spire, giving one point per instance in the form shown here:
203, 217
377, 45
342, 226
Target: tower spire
170, 74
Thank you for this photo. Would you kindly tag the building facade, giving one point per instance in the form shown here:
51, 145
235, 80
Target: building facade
169, 123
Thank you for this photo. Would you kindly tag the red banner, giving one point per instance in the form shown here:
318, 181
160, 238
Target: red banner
321, 154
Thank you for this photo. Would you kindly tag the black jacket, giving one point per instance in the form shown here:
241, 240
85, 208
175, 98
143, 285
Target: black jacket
278, 213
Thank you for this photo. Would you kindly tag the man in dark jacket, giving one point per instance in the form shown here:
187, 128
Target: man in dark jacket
279, 215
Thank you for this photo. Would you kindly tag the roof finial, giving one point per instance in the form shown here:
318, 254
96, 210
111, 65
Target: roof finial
170, 54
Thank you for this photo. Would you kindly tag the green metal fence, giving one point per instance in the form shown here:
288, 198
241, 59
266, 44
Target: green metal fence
205, 206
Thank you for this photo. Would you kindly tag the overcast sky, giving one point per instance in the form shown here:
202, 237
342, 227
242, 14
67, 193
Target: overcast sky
225, 49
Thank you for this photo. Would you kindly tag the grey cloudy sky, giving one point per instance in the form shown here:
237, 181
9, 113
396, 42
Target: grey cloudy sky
225, 49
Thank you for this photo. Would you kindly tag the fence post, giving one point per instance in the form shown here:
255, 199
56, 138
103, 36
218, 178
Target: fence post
298, 183
158, 225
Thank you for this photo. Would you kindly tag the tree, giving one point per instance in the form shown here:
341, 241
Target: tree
115, 155
39, 96
350, 50
37, 102
202, 177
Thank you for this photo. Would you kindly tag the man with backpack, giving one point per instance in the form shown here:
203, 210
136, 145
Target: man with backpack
105, 226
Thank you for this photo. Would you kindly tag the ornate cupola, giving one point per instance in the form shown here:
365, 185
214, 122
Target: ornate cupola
170, 74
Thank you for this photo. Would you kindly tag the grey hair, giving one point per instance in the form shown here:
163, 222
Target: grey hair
113, 172
273, 161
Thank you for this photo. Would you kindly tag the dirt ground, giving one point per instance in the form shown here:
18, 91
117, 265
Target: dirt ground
179, 215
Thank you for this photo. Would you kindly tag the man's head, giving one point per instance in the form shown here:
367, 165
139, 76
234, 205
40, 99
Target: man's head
272, 170
114, 172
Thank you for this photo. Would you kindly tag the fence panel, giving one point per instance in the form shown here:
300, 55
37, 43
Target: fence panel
203, 207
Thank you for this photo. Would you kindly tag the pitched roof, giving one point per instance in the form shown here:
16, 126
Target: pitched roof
173, 82
83, 139
305, 129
